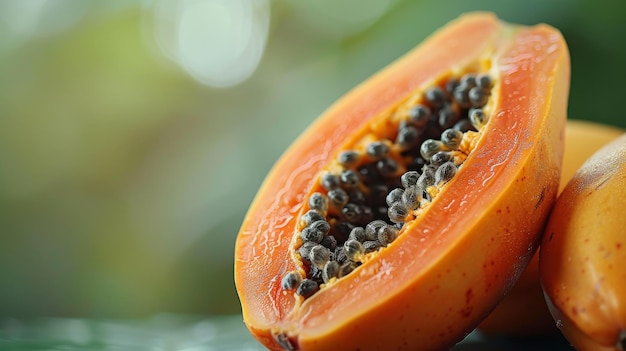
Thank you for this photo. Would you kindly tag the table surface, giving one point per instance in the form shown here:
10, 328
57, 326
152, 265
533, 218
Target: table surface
184, 333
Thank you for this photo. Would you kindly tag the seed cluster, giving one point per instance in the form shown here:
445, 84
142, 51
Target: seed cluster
363, 203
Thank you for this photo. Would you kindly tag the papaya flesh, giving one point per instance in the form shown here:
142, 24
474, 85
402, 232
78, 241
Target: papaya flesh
524, 312
583, 253
446, 257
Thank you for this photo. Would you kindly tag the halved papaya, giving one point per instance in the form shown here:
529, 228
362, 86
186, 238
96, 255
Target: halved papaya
408, 209
583, 253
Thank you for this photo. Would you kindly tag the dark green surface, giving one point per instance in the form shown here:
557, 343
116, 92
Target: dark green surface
182, 333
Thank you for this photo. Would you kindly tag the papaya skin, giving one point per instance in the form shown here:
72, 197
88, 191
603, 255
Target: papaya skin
524, 312
430, 287
583, 255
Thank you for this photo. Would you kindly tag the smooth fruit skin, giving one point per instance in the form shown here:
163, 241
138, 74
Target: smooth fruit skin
523, 312
583, 255
438, 280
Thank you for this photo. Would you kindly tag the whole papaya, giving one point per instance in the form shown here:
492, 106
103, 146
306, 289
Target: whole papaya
523, 312
408, 209
583, 254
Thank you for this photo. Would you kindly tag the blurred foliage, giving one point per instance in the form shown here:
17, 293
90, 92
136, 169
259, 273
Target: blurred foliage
123, 181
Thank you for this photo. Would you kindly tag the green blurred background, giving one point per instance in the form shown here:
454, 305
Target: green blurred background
134, 134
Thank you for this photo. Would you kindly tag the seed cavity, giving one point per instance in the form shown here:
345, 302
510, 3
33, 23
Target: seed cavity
330, 181
477, 96
307, 288
329, 242
346, 268
312, 216
408, 136
358, 234
387, 167
348, 158
340, 255
478, 118
398, 212
349, 179
319, 255
338, 197
361, 202
387, 234
445, 172
419, 115
351, 212
440, 158
371, 230
427, 178
394, 196
435, 96
353, 249
430, 147
409, 178
305, 250
412, 196
310, 234
377, 149
371, 246
318, 202
291, 280
448, 116
451, 138
330, 271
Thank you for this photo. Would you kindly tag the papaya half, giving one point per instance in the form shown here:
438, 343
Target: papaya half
583, 254
409, 208
524, 312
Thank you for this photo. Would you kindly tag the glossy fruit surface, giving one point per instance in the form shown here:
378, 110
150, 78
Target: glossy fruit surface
523, 312
462, 252
583, 256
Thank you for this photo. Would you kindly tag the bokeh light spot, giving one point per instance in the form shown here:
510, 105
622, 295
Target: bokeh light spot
219, 43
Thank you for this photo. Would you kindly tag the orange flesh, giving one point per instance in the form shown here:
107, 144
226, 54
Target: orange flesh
471, 243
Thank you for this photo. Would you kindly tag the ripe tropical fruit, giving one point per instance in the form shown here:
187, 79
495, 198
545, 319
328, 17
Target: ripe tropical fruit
582, 261
523, 312
408, 209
